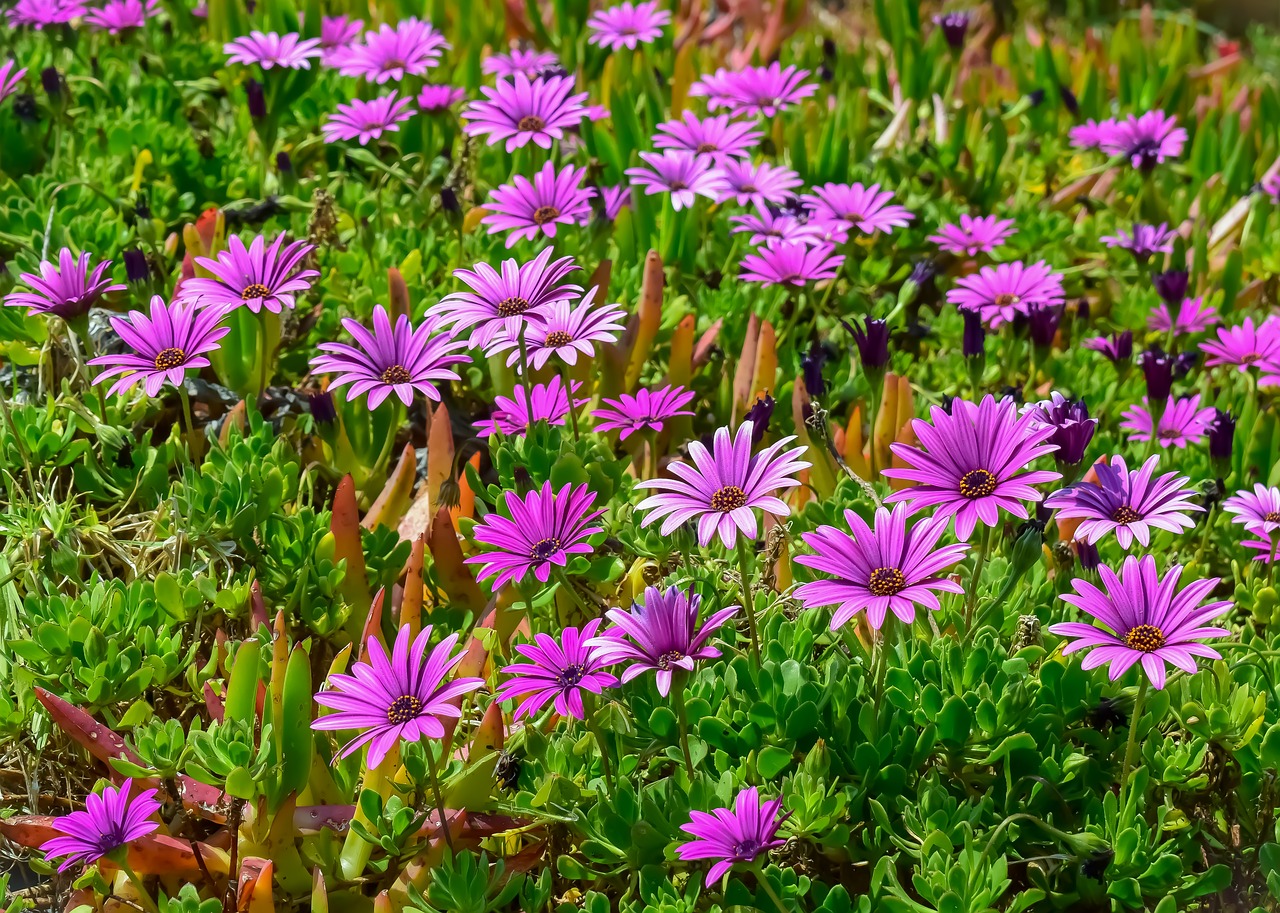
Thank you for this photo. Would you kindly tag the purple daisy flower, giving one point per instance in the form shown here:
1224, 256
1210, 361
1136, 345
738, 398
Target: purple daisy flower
766, 227
613, 198
717, 136
519, 61
565, 332
111, 819
338, 31
366, 120
389, 54
791, 262
525, 111
269, 49
1072, 427
627, 25
974, 236
1270, 185
385, 361
39, 14
402, 696
257, 277
892, 567
512, 415
868, 209
754, 90
1006, 290
10, 78
684, 175
1245, 345
661, 634
758, 185
1194, 316
1091, 133
1129, 502
118, 16
1146, 140
1118, 348
1257, 510
1146, 620
1182, 423
733, 835
436, 99
972, 463
646, 410
503, 301
67, 290
557, 670
724, 486
1266, 549
545, 528
527, 209
174, 339
1144, 241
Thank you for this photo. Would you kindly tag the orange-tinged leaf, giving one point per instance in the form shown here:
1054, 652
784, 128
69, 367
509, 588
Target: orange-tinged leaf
235, 418
345, 526
397, 293
823, 469
372, 624
648, 317
255, 886
440, 453
393, 500
466, 506
319, 894
451, 573
680, 362
411, 600
744, 373
257, 607
854, 453
706, 343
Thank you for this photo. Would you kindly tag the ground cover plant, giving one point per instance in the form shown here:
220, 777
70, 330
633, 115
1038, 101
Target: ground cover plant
657, 456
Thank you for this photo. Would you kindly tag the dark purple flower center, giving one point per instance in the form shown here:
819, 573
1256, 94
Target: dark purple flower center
1250, 358
1272, 516
678, 184
887, 581
558, 338
512, 307
403, 709
1007, 300
1147, 153
170, 358
571, 675
1144, 639
704, 148
543, 549
747, 849
1169, 434
977, 483
396, 374
669, 659
1125, 514
257, 290
531, 123
748, 188
731, 497
544, 214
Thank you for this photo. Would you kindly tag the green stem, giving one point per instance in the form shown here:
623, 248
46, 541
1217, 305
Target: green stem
748, 603
568, 586
528, 389
682, 719
594, 728
876, 397
568, 392
439, 796
1131, 748
191, 427
768, 889
971, 601
143, 895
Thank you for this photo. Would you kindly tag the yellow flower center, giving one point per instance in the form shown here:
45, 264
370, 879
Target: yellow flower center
731, 497
977, 483
887, 581
1144, 638
170, 358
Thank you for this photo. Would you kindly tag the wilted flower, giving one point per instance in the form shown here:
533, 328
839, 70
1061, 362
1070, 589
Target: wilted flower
1144, 240
111, 819
730, 836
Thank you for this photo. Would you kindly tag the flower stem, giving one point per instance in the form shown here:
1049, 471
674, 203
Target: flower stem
568, 392
435, 788
682, 719
971, 600
143, 895
768, 889
567, 585
594, 728
528, 385
191, 427
1131, 749
748, 603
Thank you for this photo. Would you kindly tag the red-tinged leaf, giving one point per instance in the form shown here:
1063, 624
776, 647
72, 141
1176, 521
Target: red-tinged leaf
311, 819
213, 703
91, 735
412, 599
255, 895
744, 373
440, 454
235, 419
382, 903
372, 625
392, 502
319, 893
162, 855
257, 607
823, 470
600, 278
397, 294
452, 573
466, 506
706, 343
648, 318
765, 375
345, 526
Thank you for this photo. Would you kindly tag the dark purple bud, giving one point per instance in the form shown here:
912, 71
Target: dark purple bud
551, 70
135, 265
284, 164
1088, 555
1157, 368
1036, 97
812, 365
322, 409
51, 79
24, 105
759, 414
975, 334
1069, 100
872, 339
923, 272
954, 28
797, 208
257, 99
1043, 322
449, 200
1171, 285
1073, 428
1183, 362
1082, 310
1123, 347
524, 482
1011, 392
947, 402
1222, 432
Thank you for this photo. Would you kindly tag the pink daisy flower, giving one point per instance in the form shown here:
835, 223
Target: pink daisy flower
1245, 345
1146, 620
436, 99
67, 290
791, 263
10, 78
613, 199
684, 175
519, 61
566, 331
410, 48
1128, 502
174, 339
888, 568
766, 227
716, 136
868, 209
268, 49
754, 90
504, 301
111, 819
367, 120
723, 487
525, 111
757, 185
973, 463
558, 670
627, 25
546, 528
38, 14
1091, 133
1257, 510
1006, 290
1144, 241
1194, 316
1147, 140
646, 410
1183, 422
338, 31
974, 236
257, 277
117, 16
512, 415
527, 209
733, 835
